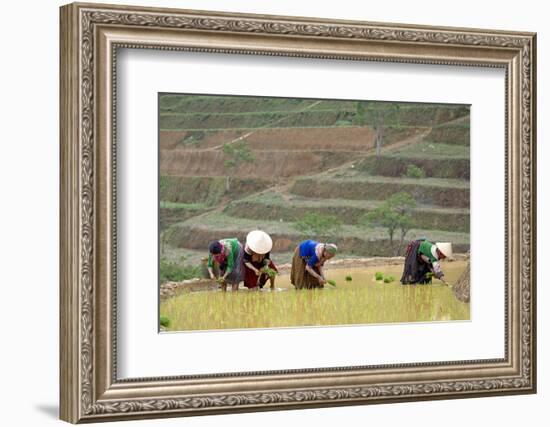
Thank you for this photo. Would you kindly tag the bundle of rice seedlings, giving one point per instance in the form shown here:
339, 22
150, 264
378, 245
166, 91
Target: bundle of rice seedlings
269, 271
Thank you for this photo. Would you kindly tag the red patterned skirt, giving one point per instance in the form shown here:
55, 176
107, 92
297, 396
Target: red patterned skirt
250, 278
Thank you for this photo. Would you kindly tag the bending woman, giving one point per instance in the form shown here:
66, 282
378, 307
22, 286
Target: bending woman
256, 259
422, 261
307, 264
228, 255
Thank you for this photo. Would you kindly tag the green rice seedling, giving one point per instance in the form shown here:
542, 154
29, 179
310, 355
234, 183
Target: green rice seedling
349, 278
331, 282
379, 275
269, 271
389, 279
164, 321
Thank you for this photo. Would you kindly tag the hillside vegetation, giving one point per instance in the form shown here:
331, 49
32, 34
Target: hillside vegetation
231, 164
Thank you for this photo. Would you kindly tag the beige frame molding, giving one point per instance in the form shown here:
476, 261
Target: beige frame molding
90, 36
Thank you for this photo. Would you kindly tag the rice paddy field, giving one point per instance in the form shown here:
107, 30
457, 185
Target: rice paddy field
361, 300
311, 169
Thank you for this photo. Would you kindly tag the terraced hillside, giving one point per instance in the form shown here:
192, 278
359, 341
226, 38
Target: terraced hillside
232, 164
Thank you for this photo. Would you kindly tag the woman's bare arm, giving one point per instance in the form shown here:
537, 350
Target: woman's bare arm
311, 271
254, 269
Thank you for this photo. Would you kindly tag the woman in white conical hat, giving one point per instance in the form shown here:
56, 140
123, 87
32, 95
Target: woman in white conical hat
422, 258
259, 267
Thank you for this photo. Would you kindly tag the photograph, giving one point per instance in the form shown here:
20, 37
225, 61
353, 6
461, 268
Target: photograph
292, 212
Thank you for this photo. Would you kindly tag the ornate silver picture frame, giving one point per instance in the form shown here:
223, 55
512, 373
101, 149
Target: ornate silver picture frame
91, 35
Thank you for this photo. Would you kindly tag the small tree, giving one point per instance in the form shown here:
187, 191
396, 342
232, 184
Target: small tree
318, 224
394, 214
375, 116
235, 154
395, 110
379, 129
360, 114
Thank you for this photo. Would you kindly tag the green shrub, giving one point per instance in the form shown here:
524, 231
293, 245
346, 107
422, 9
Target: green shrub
414, 171
176, 272
348, 278
236, 154
378, 275
164, 321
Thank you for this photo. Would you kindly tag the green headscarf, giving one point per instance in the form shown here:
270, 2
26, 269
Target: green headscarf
331, 248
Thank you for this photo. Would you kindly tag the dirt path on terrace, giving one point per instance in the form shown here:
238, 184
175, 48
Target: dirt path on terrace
384, 149
282, 189
457, 120
246, 135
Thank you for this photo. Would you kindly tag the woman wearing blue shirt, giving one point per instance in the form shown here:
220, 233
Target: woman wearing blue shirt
307, 264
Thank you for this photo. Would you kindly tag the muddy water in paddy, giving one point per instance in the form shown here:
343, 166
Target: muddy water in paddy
363, 300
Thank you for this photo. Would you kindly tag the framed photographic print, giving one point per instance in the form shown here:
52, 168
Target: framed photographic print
266, 212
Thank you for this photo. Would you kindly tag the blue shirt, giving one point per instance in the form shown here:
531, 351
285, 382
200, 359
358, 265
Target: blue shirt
307, 251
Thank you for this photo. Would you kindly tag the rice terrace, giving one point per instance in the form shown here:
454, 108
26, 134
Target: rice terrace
361, 211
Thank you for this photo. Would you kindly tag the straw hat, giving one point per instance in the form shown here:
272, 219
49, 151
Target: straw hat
259, 242
446, 248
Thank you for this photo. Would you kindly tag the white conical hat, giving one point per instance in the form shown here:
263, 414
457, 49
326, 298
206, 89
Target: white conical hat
259, 241
446, 248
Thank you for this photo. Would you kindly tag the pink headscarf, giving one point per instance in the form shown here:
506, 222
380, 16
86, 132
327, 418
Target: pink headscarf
220, 258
